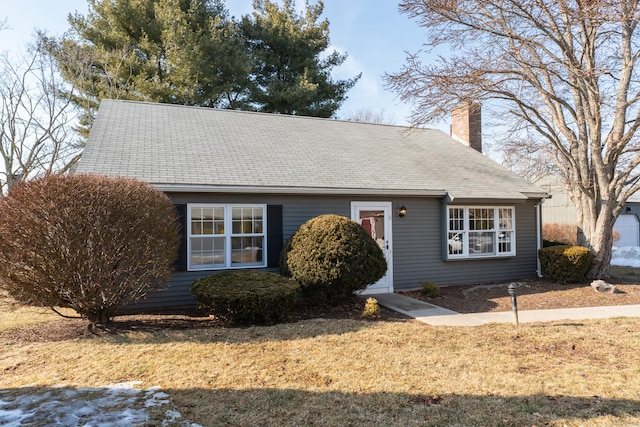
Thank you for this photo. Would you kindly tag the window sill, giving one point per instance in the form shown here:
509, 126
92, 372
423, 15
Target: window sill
479, 258
231, 267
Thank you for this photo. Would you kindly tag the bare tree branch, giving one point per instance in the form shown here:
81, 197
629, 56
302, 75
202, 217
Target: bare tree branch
567, 73
369, 116
37, 119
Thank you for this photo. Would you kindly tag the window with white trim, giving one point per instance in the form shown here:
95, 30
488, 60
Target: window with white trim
480, 231
226, 236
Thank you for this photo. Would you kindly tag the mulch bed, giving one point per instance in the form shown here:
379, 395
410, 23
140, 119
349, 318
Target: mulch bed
532, 294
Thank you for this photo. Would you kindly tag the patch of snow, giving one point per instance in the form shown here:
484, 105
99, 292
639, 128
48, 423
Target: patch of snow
171, 417
113, 405
626, 256
157, 399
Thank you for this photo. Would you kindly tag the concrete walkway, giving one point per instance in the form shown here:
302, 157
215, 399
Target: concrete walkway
438, 316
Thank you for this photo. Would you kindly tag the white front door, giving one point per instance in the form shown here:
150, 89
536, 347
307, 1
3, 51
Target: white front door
375, 217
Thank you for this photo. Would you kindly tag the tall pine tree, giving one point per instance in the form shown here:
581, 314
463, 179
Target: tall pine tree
288, 75
191, 52
171, 51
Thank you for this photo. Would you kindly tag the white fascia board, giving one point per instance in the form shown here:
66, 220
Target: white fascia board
184, 188
532, 195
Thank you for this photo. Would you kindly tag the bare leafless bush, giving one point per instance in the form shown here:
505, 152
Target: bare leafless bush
561, 233
616, 235
87, 242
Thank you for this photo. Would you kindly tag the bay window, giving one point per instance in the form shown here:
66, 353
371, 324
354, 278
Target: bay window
480, 231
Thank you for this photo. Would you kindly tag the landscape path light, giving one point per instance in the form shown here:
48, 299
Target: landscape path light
514, 302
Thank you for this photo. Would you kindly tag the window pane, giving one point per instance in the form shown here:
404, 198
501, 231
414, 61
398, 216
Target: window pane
218, 220
247, 221
481, 243
207, 221
196, 220
246, 250
481, 219
455, 242
196, 227
236, 216
456, 219
207, 214
506, 218
504, 242
208, 251
257, 220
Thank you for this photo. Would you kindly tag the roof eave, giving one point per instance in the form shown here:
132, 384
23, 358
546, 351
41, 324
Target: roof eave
519, 197
200, 188
537, 195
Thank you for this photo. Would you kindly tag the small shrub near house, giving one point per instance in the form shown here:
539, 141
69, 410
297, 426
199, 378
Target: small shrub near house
430, 289
332, 257
246, 297
565, 264
371, 309
87, 242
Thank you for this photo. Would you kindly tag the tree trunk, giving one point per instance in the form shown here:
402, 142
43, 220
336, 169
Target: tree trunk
595, 231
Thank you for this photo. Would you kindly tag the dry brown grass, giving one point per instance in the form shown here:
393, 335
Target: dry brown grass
331, 372
13, 314
629, 274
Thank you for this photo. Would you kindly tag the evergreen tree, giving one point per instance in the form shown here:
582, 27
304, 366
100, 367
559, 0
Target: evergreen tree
288, 75
151, 50
191, 52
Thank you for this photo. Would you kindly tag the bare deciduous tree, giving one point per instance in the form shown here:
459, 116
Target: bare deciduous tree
37, 118
566, 72
365, 115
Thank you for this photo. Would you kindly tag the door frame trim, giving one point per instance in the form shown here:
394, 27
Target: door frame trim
388, 209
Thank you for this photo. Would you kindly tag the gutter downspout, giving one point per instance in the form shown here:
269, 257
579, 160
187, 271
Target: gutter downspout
538, 237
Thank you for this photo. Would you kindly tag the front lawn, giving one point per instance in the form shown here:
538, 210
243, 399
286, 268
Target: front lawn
335, 372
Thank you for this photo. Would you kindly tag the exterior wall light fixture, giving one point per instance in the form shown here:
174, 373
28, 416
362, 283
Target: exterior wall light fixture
403, 211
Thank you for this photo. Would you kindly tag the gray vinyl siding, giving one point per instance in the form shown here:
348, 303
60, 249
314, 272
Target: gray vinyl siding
296, 210
418, 255
417, 242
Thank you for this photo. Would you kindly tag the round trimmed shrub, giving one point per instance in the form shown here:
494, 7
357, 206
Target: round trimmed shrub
332, 257
88, 242
246, 297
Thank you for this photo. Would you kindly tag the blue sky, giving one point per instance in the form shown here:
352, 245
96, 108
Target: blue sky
374, 34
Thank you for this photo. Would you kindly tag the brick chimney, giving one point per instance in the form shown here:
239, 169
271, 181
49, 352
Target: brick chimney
466, 125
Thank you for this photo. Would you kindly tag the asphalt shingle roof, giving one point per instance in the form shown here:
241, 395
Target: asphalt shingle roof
171, 145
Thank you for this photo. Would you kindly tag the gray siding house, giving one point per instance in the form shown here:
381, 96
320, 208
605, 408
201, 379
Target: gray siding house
244, 182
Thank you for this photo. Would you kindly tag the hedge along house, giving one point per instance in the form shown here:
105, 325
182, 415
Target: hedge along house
244, 182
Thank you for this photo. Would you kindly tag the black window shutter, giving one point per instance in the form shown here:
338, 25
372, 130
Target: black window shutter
274, 235
181, 260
